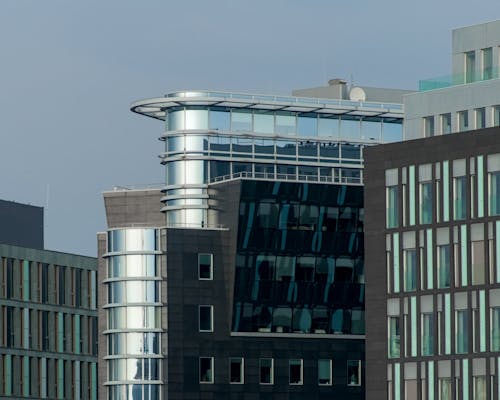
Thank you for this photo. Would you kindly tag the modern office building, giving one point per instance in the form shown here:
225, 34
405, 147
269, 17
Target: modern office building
243, 275
467, 99
48, 315
432, 245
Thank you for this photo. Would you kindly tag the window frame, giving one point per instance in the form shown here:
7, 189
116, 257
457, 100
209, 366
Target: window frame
211, 278
211, 381
271, 375
242, 370
330, 382
359, 373
211, 318
301, 381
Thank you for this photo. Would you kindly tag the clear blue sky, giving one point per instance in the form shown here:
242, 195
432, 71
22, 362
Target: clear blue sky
70, 69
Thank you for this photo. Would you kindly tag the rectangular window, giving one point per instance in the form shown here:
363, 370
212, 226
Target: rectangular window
427, 334
478, 262
266, 371
470, 66
444, 266
459, 197
461, 332
325, 372
494, 195
206, 317
394, 337
206, 370
446, 123
426, 202
444, 389
353, 372
480, 388
463, 120
480, 118
429, 126
495, 329
410, 270
205, 266
487, 63
392, 207
496, 116
295, 372
236, 370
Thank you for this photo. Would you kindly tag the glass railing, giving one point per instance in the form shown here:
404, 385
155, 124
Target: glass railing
445, 81
270, 176
287, 99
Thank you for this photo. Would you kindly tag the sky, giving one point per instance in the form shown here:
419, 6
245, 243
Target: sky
70, 69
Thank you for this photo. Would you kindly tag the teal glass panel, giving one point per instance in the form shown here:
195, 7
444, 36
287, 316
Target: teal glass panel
410, 270
60, 379
430, 266
494, 195
392, 131
395, 252
426, 203
447, 324
444, 266
414, 325
463, 255
60, 332
480, 186
392, 211
459, 197
394, 337
497, 251
465, 379
482, 320
446, 191
430, 380
93, 382
8, 374
307, 125
411, 183
26, 280
286, 123
397, 381
220, 120
461, 332
427, 334
495, 329
263, 122
76, 334
26, 376
241, 121
328, 126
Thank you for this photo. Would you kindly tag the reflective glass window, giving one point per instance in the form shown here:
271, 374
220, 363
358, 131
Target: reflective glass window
353, 372
463, 120
445, 123
461, 332
175, 144
394, 337
219, 169
410, 270
176, 120
350, 128
324, 372
444, 266
220, 120
196, 143
205, 322
220, 143
495, 329
196, 119
205, 266
427, 334
241, 120
480, 118
206, 369
328, 126
263, 122
329, 150
307, 125
302, 320
351, 151
295, 372
459, 197
392, 209
282, 319
494, 195
371, 129
426, 202
264, 146
266, 371
242, 145
308, 149
285, 123
392, 131
288, 148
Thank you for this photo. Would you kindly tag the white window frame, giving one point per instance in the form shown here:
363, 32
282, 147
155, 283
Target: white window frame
272, 371
211, 266
301, 382
330, 383
211, 318
242, 370
211, 368
359, 373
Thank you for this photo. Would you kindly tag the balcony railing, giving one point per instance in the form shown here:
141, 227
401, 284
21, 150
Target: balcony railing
445, 81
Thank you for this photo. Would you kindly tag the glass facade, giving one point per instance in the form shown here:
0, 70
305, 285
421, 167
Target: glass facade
134, 314
299, 265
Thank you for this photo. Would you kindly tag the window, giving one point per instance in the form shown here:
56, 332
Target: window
470, 66
463, 120
427, 334
480, 118
236, 370
206, 317
429, 126
459, 197
410, 270
425, 202
206, 370
487, 63
444, 388
480, 387
325, 372
444, 266
446, 123
494, 195
205, 266
295, 372
266, 371
461, 338
495, 329
478, 262
354, 373
496, 116
392, 207
394, 337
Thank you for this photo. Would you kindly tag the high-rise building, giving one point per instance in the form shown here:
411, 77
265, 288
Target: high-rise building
243, 275
431, 237
48, 313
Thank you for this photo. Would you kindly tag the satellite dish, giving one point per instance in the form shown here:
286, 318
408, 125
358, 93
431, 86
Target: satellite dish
357, 94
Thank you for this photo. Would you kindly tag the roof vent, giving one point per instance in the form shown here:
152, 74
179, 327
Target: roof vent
336, 81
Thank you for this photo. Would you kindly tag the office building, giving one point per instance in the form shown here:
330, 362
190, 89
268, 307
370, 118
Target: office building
467, 99
48, 315
431, 237
243, 275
